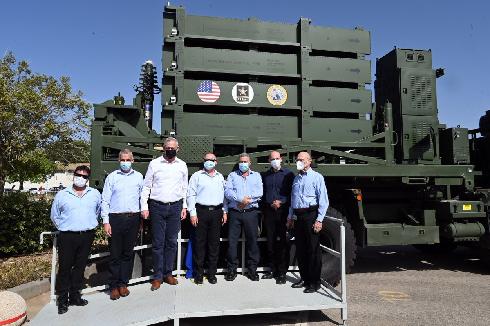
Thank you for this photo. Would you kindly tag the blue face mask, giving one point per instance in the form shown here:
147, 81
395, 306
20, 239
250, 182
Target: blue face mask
209, 165
243, 167
125, 166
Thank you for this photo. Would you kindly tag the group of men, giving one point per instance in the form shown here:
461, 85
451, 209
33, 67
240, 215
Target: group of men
166, 197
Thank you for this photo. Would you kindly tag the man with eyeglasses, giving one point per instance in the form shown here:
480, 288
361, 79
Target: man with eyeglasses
120, 211
163, 199
74, 213
277, 181
309, 204
243, 191
208, 210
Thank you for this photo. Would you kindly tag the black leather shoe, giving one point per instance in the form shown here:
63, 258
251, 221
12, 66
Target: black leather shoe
311, 289
198, 280
230, 276
62, 308
212, 279
267, 276
253, 276
78, 302
298, 284
281, 279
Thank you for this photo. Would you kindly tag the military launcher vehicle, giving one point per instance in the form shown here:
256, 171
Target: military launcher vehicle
394, 173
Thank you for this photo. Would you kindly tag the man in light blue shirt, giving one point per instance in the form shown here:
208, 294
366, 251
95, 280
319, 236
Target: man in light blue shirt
309, 204
74, 213
121, 217
243, 191
208, 209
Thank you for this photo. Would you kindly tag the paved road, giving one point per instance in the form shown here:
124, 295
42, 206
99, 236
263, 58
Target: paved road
394, 286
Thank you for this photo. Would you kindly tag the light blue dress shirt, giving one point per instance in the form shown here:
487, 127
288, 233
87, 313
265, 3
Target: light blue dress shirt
237, 187
73, 213
206, 189
121, 193
309, 190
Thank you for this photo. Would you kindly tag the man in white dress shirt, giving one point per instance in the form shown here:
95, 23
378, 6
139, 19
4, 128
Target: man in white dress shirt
163, 199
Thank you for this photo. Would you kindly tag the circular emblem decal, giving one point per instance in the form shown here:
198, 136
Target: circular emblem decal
277, 95
242, 93
208, 91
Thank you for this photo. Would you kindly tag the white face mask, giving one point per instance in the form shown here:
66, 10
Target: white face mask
276, 163
300, 165
79, 182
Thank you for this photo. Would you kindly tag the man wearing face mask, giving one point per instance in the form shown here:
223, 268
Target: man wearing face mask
309, 204
277, 192
120, 211
243, 191
74, 213
208, 210
163, 199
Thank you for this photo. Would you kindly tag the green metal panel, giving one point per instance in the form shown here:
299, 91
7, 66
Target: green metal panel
336, 129
235, 61
418, 88
330, 99
252, 30
239, 125
400, 234
340, 69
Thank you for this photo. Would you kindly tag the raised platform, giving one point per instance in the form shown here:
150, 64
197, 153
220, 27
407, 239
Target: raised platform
145, 307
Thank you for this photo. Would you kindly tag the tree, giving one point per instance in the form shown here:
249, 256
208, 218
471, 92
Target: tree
39, 114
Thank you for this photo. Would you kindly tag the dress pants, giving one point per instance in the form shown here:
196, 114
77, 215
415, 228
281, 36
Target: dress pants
124, 234
73, 249
207, 239
165, 227
277, 250
308, 248
250, 221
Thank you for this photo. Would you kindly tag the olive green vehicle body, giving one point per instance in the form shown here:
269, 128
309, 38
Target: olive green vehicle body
396, 174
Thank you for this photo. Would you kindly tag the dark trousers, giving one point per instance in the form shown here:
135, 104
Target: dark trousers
250, 221
124, 233
207, 239
277, 250
308, 248
165, 226
73, 250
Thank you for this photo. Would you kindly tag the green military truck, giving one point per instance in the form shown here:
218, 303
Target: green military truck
395, 174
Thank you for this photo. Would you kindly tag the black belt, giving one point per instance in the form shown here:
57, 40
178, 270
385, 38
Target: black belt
166, 204
125, 214
78, 232
244, 210
305, 210
209, 207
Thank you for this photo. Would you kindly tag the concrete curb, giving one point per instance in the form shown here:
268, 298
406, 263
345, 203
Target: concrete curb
32, 289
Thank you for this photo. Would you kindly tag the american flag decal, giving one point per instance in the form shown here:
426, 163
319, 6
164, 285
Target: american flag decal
208, 91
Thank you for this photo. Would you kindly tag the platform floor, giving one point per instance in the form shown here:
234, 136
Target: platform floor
145, 307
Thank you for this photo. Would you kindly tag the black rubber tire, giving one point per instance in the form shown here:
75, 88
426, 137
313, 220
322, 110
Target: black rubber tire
330, 237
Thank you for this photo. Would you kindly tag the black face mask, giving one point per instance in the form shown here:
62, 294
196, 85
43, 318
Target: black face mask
170, 153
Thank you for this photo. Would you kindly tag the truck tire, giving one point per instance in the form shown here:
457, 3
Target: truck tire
330, 237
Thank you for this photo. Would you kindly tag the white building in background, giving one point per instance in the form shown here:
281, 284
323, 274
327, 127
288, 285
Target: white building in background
62, 177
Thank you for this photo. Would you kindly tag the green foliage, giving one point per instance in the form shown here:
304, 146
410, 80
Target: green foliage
40, 115
22, 219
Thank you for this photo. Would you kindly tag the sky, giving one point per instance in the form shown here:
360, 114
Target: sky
100, 44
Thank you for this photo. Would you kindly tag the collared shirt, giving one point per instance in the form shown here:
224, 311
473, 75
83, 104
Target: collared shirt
309, 190
121, 193
71, 212
206, 189
277, 185
238, 186
165, 181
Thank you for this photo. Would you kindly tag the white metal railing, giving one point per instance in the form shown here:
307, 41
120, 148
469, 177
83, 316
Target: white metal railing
179, 271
